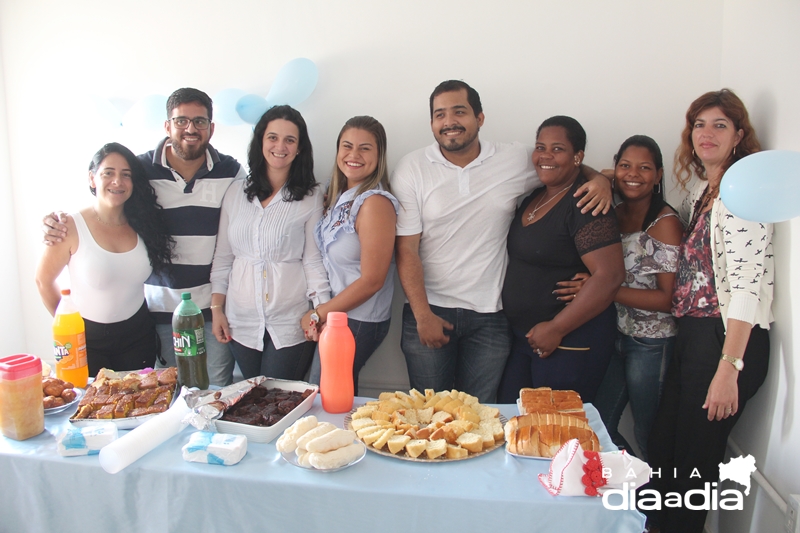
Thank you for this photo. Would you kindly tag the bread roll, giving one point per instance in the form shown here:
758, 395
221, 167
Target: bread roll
321, 429
336, 458
331, 440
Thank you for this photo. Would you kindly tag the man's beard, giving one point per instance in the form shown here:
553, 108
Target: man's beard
190, 154
453, 145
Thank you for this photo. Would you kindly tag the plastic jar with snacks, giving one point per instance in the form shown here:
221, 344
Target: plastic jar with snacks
21, 409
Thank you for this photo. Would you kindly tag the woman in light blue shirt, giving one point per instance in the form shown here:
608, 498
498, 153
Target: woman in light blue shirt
356, 238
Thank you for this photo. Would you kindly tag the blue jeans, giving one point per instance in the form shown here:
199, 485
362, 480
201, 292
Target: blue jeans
636, 374
472, 361
580, 370
284, 363
368, 335
220, 359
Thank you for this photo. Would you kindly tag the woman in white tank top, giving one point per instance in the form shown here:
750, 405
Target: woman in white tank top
111, 248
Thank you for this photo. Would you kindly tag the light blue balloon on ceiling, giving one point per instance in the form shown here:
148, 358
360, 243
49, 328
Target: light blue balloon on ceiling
294, 82
148, 113
250, 107
763, 187
225, 102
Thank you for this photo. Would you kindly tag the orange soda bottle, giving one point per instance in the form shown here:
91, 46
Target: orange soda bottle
69, 343
337, 349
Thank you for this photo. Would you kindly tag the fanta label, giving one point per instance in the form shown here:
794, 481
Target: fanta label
189, 342
70, 351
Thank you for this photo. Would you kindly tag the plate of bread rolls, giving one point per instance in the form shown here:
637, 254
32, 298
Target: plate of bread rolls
319, 446
548, 419
59, 395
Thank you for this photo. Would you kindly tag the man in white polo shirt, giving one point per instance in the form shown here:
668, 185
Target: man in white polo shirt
458, 197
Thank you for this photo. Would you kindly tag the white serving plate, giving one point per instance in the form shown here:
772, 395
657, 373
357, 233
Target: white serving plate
268, 434
291, 458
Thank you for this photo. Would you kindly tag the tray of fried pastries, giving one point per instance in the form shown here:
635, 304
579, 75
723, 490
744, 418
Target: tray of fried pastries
127, 399
548, 419
430, 427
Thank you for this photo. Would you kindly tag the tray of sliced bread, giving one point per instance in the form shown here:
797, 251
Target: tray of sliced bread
549, 418
430, 427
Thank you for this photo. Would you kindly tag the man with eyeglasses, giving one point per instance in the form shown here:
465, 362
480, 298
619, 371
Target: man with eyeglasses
190, 179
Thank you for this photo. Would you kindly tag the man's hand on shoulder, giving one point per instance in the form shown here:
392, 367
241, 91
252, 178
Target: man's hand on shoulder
54, 227
596, 194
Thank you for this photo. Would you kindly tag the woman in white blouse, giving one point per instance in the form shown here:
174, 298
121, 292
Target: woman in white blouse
267, 266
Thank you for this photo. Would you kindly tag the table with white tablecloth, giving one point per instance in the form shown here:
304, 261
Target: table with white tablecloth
41, 491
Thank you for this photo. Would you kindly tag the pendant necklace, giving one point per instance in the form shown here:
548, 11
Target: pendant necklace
103, 222
532, 214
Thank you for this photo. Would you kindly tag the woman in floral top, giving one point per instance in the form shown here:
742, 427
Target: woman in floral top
356, 238
722, 300
651, 235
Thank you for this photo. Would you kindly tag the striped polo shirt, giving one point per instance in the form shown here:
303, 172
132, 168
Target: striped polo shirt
191, 211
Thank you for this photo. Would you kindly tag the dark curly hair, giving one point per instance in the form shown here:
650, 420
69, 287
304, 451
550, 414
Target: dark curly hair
448, 86
144, 214
301, 180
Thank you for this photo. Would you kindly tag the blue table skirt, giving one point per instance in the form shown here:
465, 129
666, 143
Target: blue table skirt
41, 491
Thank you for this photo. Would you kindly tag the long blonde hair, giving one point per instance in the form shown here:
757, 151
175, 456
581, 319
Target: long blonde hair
381, 174
686, 162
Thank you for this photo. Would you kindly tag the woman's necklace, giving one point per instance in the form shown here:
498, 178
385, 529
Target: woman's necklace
103, 222
532, 214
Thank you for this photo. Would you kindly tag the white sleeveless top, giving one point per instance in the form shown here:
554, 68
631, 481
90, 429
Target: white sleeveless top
106, 287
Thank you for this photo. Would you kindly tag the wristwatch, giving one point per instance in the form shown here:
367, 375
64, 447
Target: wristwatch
315, 316
737, 362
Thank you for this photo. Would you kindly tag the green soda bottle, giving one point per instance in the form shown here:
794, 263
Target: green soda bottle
188, 340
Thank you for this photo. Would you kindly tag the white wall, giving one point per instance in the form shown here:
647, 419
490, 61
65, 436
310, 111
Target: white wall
759, 61
12, 340
620, 67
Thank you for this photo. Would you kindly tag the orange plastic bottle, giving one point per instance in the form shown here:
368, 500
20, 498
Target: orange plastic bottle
337, 349
69, 343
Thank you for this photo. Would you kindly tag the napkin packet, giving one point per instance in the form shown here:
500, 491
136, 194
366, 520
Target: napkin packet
88, 440
215, 448
575, 472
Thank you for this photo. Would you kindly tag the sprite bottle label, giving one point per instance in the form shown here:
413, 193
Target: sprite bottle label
189, 342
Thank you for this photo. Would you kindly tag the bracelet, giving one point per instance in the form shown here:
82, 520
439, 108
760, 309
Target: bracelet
215, 307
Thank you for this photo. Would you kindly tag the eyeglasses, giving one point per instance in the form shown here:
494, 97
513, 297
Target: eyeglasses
201, 123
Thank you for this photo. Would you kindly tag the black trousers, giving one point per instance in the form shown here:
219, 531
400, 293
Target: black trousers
128, 345
682, 437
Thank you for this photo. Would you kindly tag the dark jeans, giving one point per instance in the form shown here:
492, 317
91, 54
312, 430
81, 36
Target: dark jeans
682, 437
128, 345
636, 373
284, 363
472, 361
368, 335
578, 370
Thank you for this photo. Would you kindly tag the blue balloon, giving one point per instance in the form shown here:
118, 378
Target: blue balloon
148, 113
294, 83
250, 107
225, 106
105, 110
764, 187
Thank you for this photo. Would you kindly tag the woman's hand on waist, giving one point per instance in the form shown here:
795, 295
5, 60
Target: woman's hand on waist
544, 338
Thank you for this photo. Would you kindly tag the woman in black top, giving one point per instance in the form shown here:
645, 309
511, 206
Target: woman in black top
563, 345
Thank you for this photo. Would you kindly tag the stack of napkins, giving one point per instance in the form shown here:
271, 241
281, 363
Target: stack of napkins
215, 448
88, 440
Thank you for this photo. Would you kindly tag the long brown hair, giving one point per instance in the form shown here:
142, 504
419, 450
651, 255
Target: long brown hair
381, 174
686, 162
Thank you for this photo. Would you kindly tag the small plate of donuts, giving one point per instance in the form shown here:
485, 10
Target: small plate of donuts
59, 395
